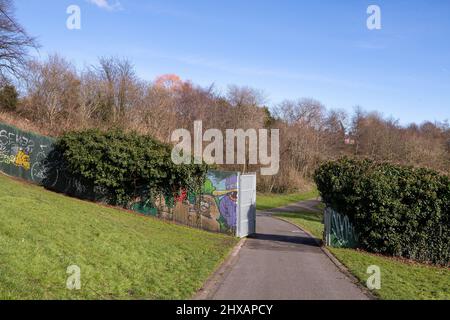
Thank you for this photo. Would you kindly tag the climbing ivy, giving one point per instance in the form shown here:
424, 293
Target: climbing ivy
124, 165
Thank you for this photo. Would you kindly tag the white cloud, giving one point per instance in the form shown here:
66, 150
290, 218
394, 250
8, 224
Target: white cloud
107, 4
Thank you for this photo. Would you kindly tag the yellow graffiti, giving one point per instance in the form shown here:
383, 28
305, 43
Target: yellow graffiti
23, 160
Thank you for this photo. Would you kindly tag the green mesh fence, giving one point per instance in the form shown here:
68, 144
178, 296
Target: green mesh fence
339, 232
23, 154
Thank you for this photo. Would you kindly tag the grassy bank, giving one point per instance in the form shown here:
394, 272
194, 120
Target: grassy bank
399, 279
121, 255
266, 201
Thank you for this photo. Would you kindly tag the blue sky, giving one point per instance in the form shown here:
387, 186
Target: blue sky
288, 49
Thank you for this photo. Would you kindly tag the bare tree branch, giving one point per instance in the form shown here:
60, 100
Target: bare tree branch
14, 42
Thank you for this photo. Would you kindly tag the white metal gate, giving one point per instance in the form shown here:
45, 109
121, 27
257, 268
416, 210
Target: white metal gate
246, 222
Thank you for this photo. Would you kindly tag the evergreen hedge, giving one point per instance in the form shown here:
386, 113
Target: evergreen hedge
124, 166
396, 210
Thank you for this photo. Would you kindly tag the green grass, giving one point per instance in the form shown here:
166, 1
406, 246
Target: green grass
399, 279
309, 221
121, 255
266, 201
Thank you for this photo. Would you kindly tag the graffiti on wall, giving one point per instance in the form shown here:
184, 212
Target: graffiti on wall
339, 231
214, 208
27, 156
15, 149
22, 154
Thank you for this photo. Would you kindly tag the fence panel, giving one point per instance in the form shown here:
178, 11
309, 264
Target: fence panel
23, 154
339, 232
215, 208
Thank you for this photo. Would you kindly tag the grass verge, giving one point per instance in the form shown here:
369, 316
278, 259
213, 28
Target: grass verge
400, 279
265, 201
310, 221
121, 255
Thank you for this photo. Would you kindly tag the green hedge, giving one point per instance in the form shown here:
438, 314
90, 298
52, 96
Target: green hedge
124, 166
396, 210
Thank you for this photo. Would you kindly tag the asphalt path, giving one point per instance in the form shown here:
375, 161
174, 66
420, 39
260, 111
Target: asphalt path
281, 261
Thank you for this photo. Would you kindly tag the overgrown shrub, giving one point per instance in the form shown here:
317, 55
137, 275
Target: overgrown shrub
396, 210
117, 167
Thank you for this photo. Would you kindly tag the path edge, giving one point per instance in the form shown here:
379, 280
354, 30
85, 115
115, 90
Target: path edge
213, 283
335, 261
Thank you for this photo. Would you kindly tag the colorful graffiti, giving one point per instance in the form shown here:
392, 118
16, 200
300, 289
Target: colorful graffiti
22, 160
26, 155
214, 208
20, 152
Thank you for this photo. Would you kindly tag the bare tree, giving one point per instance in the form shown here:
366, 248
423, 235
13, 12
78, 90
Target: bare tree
58, 97
119, 79
245, 96
14, 42
52, 89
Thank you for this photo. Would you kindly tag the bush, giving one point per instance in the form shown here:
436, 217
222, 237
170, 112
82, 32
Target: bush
8, 98
123, 166
396, 210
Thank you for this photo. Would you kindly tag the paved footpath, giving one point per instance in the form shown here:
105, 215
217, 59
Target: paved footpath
283, 262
